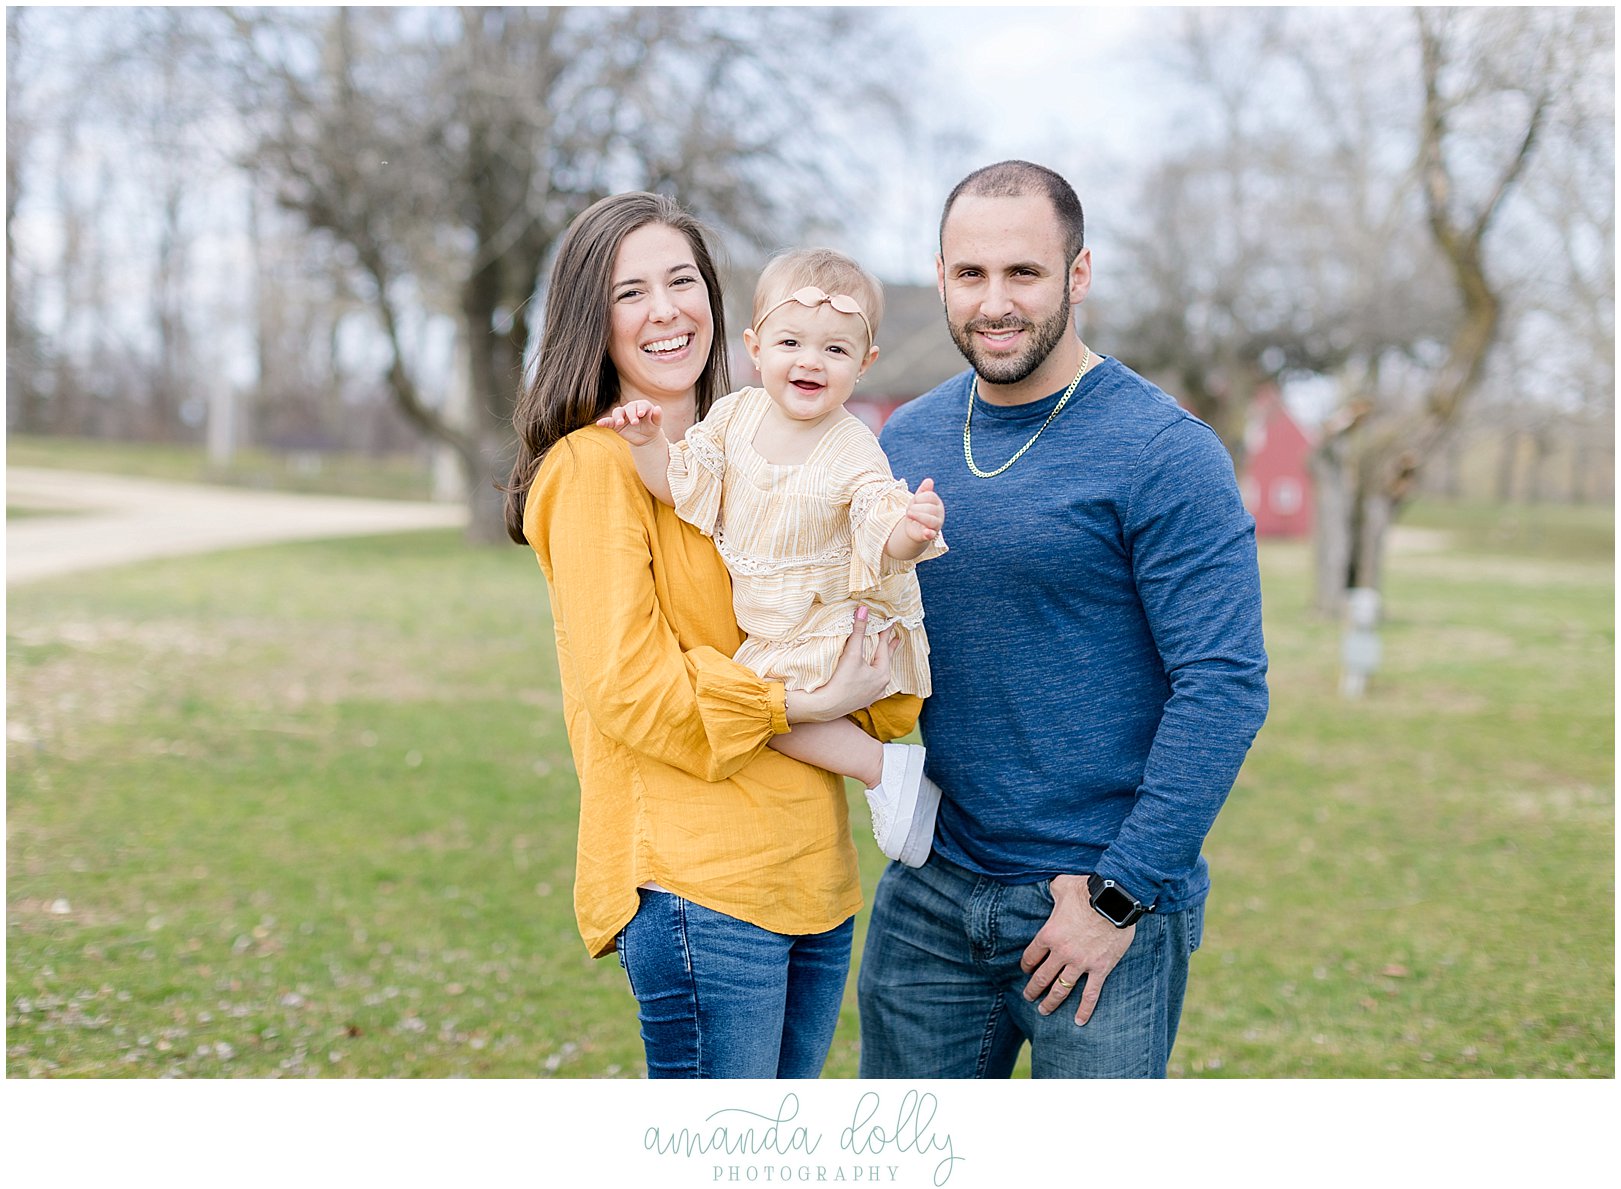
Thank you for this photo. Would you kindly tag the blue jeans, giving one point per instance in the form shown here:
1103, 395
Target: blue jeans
721, 998
942, 993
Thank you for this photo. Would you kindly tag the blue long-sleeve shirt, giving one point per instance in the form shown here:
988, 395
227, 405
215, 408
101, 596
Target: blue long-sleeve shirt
1095, 634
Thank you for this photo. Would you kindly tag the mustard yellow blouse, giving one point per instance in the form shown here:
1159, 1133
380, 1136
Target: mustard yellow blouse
669, 733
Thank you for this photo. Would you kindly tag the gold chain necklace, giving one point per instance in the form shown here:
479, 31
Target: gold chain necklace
968, 425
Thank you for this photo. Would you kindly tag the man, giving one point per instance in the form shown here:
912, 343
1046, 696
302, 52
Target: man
1098, 669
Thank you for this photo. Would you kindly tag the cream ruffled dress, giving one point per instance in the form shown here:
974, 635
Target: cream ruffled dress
804, 543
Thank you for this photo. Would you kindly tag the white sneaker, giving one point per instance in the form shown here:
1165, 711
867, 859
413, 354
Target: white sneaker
904, 805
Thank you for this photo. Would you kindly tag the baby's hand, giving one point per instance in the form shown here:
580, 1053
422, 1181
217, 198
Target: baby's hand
925, 514
637, 422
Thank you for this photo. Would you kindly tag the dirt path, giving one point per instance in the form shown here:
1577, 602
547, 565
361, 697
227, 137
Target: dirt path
112, 520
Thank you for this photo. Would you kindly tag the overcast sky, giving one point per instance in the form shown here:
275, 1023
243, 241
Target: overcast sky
1039, 76
1061, 85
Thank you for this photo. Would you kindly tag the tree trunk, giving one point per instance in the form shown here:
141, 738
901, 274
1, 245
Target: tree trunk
168, 381
1537, 484
1508, 459
1332, 527
486, 503
1587, 469
1331, 537
1449, 483
491, 387
1376, 514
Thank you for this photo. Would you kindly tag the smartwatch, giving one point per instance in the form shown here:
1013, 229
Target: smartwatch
1113, 903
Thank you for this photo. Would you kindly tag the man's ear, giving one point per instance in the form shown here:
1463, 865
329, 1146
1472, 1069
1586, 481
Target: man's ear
1080, 277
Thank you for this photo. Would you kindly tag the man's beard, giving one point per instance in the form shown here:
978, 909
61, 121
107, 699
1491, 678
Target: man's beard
1045, 335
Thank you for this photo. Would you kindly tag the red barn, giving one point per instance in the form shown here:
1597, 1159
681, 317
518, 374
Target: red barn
1277, 477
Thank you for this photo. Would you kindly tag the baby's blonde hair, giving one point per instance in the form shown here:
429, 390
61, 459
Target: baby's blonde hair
829, 271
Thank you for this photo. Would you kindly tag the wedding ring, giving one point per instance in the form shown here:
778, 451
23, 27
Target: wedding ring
1064, 982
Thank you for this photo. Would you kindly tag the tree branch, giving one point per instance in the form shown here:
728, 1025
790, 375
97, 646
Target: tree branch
1515, 168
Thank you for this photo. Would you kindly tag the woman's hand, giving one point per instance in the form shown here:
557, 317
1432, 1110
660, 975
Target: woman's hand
856, 683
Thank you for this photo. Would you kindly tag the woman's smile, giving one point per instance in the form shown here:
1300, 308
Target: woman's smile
661, 323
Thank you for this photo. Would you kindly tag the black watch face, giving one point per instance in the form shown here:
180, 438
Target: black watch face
1115, 904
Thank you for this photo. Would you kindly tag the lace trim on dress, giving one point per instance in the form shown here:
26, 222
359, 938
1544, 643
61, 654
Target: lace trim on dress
702, 450
744, 563
875, 625
865, 497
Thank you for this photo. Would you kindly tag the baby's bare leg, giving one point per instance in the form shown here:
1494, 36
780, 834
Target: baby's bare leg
839, 746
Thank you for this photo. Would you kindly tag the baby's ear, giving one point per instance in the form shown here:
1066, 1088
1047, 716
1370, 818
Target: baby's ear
751, 343
872, 356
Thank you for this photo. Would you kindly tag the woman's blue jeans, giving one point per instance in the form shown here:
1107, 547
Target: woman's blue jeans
721, 998
941, 989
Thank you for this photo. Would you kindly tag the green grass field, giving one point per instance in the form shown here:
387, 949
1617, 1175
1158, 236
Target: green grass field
405, 476
309, 811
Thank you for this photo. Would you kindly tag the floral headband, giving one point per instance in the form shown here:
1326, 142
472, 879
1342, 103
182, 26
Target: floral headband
811, 297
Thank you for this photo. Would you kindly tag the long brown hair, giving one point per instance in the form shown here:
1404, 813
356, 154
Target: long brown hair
572, 381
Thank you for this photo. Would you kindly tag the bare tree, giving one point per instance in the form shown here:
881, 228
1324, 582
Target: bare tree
1489, 80
1197, 316
1560, 316
107, 161
446, 151
166, 94
1270, 238
1345, 197
24, 367
54, 340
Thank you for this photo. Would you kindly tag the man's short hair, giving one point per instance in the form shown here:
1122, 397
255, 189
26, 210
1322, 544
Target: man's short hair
1014, 179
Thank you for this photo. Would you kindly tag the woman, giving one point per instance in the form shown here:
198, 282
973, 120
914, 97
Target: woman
720, 870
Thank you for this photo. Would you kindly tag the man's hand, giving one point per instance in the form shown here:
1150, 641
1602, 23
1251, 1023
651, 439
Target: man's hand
637, 422
1076, 943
